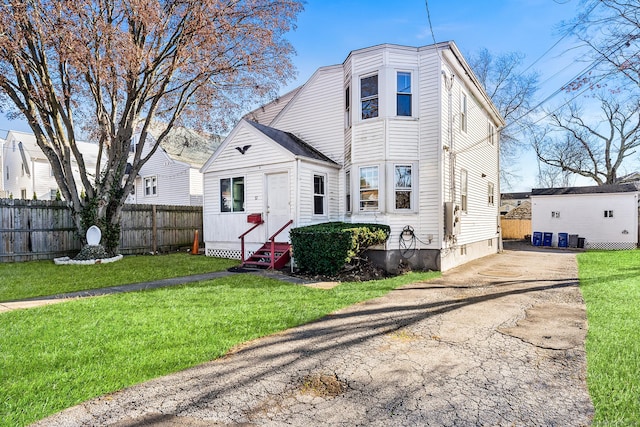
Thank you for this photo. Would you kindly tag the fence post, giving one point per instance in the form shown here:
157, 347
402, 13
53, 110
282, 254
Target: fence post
154, 226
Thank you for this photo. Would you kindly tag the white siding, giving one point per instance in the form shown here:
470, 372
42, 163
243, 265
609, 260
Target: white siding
172, 181
583, 214
431, 130
332, 193
317, 115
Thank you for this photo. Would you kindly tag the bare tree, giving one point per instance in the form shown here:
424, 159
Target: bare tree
512, 90
595, 150
552, 177
611, 29
110, 68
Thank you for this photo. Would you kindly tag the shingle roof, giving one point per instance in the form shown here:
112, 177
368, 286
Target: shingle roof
291, 143
595, 189
513, 196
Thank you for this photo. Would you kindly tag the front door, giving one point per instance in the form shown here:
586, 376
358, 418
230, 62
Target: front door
278, 208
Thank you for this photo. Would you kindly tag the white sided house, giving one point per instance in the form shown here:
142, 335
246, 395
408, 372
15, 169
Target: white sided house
172, 175
395, 135
26, 171
606, 216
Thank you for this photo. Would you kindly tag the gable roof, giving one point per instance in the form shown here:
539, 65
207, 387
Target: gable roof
291, 143
595, 189
267, 112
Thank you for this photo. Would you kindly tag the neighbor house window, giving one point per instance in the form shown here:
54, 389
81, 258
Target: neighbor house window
318, 194
490, 192
463, 112
369, 96
555, 214
463, 190
7, 173
150, 186
347, 107
403, 95
402, 183
369, 188
23, 193
232, 194
347, 189
608, 214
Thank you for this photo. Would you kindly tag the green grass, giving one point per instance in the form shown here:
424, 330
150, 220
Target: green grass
56, 356
610, 284
38, 278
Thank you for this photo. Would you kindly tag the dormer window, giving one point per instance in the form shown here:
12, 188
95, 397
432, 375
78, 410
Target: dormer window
369, 96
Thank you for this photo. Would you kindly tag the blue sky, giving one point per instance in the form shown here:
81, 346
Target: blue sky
329, 29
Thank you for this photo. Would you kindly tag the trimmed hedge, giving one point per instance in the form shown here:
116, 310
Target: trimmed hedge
325, 248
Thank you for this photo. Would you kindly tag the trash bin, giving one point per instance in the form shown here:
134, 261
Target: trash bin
546, 239
563, 240
581, 242
573, 240
537, 238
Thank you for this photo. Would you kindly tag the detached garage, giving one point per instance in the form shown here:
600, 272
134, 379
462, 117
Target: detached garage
605, 216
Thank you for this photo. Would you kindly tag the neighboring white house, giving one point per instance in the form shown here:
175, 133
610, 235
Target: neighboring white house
172, 175
26, 171
605, 216
395, 135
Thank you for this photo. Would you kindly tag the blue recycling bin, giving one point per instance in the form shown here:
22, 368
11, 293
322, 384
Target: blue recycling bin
546, 239
537, 238
563, 240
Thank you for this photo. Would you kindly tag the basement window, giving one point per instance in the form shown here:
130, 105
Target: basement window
608, 214
555, 214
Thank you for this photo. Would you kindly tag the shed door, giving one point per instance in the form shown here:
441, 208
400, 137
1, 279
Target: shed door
278, 209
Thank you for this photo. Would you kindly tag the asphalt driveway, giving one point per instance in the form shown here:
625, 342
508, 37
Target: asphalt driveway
496, 342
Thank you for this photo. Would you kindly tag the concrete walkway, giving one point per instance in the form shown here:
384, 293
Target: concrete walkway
496, 342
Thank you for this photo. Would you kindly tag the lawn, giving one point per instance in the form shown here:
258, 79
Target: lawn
37, 278
610, 284
56, 356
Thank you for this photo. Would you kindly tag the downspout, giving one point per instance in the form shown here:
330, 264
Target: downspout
498, 131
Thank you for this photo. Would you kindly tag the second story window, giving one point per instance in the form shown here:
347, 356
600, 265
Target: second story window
463, 112
369, 96
347, 107
403, 96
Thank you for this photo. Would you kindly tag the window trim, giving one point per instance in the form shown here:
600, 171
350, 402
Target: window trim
154, 179
376, 188
323, 177
370, 98
410, 189
231, 194
403, 94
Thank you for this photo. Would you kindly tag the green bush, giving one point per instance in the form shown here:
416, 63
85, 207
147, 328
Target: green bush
325, 248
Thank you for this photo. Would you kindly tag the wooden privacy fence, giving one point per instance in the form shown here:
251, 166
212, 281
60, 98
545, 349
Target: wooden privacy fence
36, 229
515, 228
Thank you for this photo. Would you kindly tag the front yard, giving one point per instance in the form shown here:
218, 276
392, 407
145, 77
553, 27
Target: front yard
56, 356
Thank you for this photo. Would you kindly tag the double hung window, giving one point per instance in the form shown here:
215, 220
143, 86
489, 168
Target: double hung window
369, 187
403, 94
369, 96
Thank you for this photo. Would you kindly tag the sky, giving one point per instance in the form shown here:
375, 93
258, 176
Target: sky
328, 30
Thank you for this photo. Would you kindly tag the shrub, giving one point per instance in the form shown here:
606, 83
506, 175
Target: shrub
325, 248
